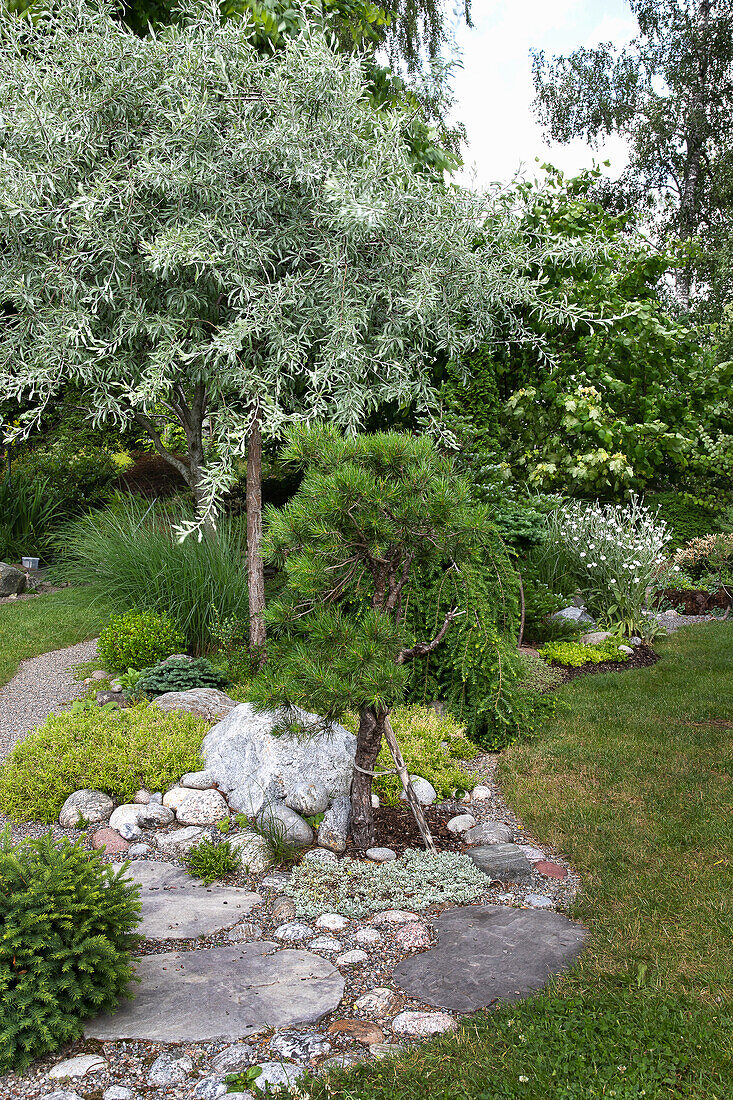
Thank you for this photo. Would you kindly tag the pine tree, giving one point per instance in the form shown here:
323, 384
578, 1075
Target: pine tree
371, 510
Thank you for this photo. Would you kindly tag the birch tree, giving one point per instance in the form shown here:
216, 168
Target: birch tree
191, 232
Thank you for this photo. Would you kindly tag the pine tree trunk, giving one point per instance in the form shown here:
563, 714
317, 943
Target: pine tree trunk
255, 566
368, 743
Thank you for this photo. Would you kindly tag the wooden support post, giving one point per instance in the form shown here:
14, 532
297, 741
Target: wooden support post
394, 748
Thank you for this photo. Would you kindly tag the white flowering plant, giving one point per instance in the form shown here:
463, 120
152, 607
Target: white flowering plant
612, 554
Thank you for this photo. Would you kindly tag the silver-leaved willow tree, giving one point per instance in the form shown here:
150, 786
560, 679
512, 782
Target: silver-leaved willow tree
192, 233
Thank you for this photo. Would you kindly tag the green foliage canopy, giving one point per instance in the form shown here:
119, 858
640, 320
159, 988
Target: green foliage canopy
191, 231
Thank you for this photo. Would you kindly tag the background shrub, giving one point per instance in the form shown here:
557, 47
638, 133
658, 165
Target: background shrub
687, 516
177, 674
138, 639
78, 475
116, 751
131, 556
68, 928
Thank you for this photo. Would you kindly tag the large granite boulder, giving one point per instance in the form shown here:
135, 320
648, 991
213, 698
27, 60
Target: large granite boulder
206, 703
255, 767
85, 806
12, 581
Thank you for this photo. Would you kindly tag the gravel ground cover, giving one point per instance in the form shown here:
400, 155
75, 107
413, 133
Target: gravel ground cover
41, 685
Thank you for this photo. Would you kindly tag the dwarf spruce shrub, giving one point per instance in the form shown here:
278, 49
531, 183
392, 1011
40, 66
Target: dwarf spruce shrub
177, 673
116, 751
138, 639
68, 925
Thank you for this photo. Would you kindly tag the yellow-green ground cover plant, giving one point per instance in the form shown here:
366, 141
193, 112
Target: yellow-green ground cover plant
88, 747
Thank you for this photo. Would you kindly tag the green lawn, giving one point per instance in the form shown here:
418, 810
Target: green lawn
31, 627
634, 783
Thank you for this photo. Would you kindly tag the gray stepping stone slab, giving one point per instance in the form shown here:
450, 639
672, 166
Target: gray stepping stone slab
176, 906
490, 953
506, 862
222, 993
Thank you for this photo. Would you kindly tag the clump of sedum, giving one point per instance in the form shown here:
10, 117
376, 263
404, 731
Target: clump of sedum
414, 881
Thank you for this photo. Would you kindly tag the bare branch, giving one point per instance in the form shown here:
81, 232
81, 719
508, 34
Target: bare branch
160, 447
421, 649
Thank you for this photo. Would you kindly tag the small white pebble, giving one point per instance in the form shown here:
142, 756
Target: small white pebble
352, 958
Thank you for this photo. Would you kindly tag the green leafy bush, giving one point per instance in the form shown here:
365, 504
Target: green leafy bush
687, 516
575, 654
68, 928
432, 745
414, 881
138, 640
77, 475
177, 673
130, 555
209, 861
116, 751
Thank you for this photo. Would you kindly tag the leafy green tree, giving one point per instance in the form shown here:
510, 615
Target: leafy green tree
371, 511
670, 94
634, 400
194, 233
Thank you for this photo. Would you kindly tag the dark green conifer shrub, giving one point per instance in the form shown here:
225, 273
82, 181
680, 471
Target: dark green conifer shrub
177, 674
67, 924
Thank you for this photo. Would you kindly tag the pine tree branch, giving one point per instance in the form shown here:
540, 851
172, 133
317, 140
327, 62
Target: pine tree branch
422, 649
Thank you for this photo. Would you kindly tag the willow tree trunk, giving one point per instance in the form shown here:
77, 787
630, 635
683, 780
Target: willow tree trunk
255, 565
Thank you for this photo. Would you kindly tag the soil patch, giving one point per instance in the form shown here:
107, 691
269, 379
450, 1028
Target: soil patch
642, 657
395, 828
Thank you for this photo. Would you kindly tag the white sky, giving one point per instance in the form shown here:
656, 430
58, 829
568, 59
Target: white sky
494, 89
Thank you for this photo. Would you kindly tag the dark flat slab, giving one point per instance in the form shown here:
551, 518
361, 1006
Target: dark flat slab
489, 953
222, 993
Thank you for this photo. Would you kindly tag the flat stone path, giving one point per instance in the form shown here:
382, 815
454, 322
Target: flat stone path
489, 953
41, 685
176, 906
223, 993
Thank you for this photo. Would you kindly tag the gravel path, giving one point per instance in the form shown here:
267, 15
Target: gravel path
41, 685
674, 622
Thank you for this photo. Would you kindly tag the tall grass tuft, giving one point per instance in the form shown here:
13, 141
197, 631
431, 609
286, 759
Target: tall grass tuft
130, 555
28, 511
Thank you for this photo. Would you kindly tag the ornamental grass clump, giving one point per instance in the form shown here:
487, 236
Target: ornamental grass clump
611, 553
68, 924
414, 881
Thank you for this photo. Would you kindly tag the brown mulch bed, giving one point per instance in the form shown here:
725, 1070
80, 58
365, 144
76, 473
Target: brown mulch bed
395, 828
151, 476
696, 601
642, 657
